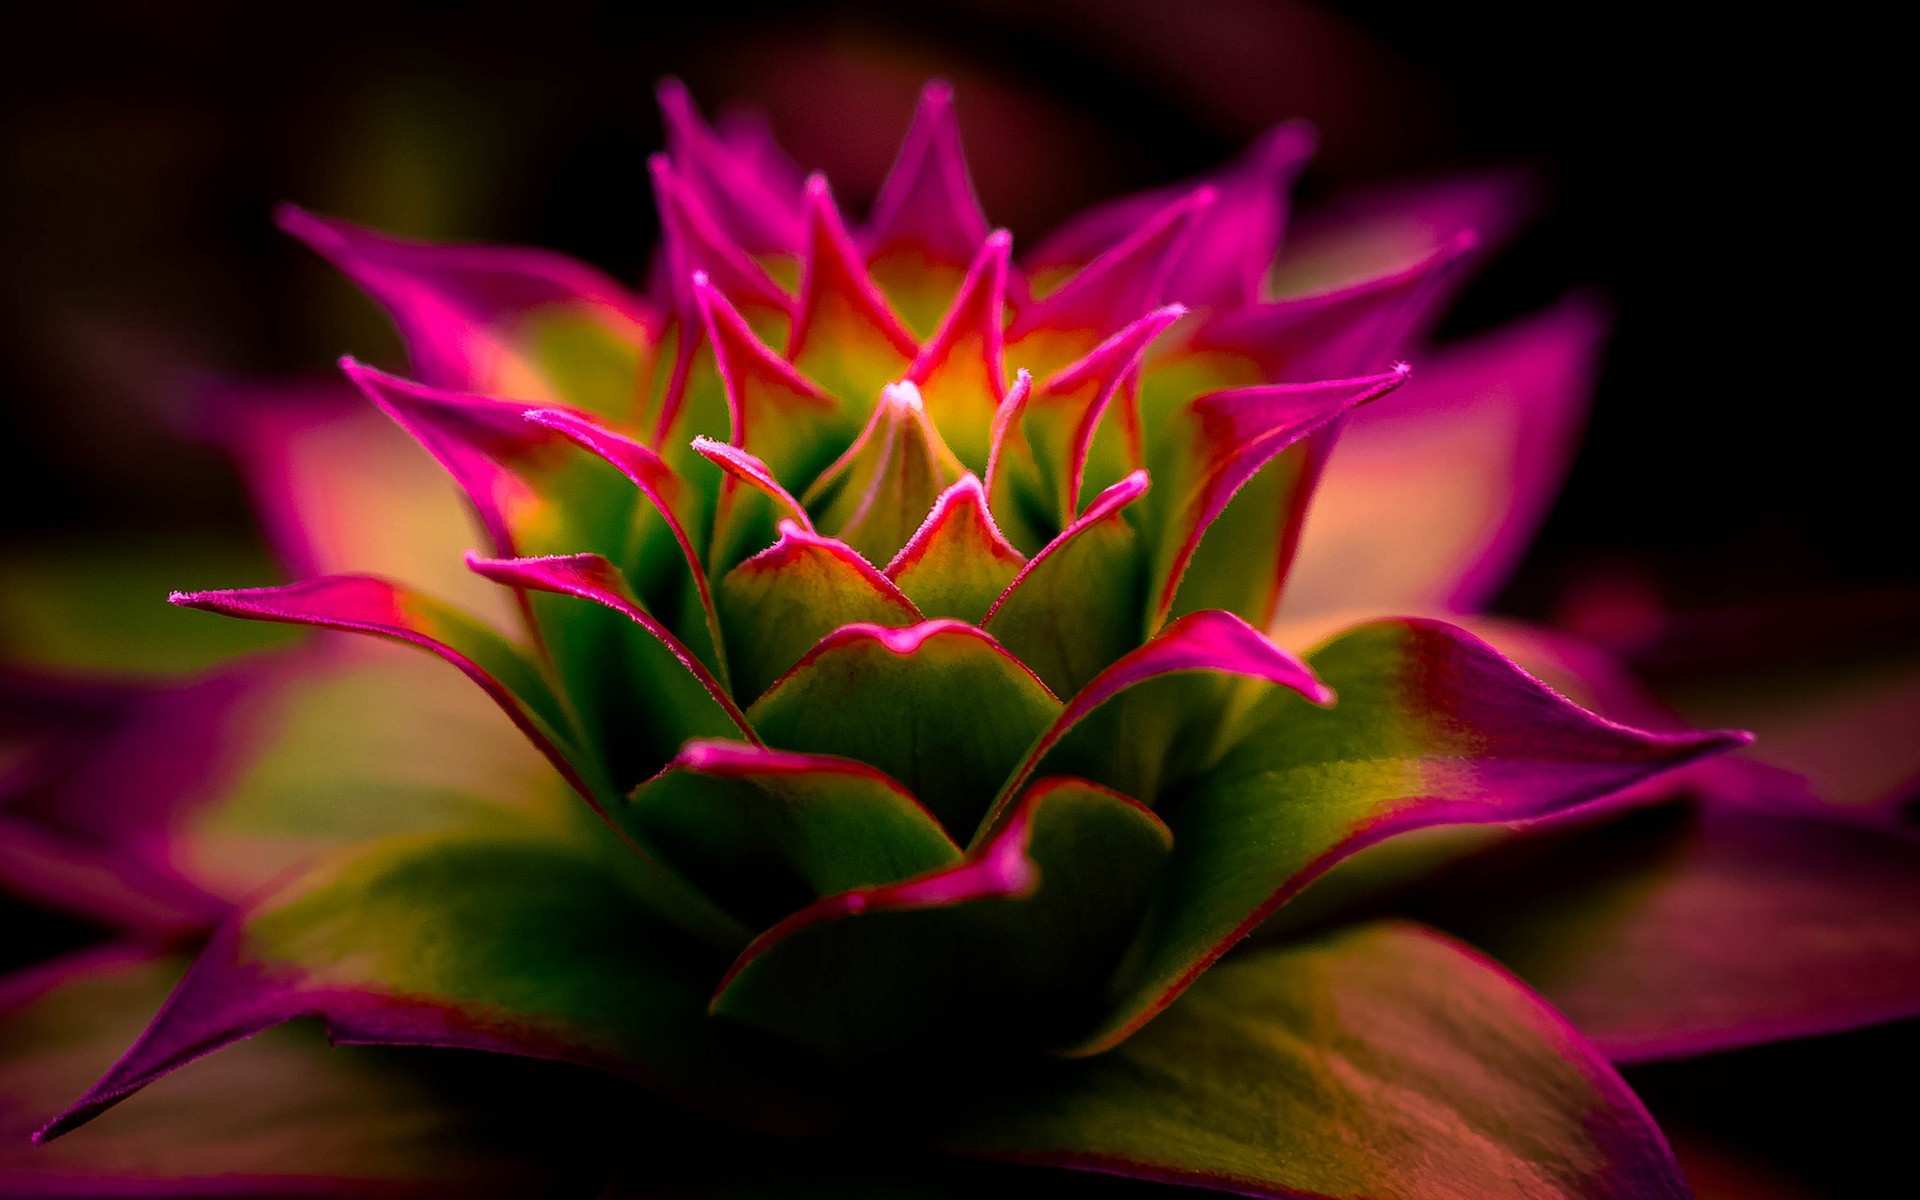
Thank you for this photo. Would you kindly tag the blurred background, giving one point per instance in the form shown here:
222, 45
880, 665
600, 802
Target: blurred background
1702, 175
1709, 179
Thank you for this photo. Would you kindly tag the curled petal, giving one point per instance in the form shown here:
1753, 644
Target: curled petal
1222, 442
1238, 238
528, 324
1433, 727
1332, 334
781, 602
1126, 280
777, 413
961, 371
590, 577
767, 831
1065, 412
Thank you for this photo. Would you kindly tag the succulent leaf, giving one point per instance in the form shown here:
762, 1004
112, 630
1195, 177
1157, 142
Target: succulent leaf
1432, 726
526, 324
1382, 1061
767, 831
900, 753
377, 943
957, 563
781, 602
940, 706
999, 949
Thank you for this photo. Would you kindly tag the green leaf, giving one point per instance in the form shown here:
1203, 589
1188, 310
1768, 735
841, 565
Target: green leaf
765, 831
1076, 606
777, 605
957, 564
284, 1111
1006, 950
1384, 1061
938, 706
507, 939
1431, 727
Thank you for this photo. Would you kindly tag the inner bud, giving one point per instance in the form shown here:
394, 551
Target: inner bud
876, 494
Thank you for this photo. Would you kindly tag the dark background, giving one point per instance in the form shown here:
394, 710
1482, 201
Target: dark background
1720, 182
1727, 185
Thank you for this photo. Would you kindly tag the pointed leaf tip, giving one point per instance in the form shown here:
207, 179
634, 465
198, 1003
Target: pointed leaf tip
927, 202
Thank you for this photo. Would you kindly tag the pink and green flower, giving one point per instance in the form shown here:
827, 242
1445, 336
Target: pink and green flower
907, 778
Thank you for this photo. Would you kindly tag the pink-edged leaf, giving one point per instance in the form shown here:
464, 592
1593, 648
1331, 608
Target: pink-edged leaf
1429, 501
729, 181
767, 831
957, 564
961, 370
684, 699
358, 604
1217, 445
1700, 928
531, 490
1384, 1060
689, 398
1016, 489
670, 497
1240, 235
1238, 238
751, 506
504, 321
1064, 414
777, 414
778, 604
747, 132
927, 206
281, 1115
537, 494
749, 470
377, 944
845, 336
1432, 727
324, 472
363, 604
693, 240
1374, 230
1000, 949
1075, 606
940, 706
1213, 644
877, 494
1336, 333
1124, 282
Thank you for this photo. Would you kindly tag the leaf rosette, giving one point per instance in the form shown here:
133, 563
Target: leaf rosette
893, 608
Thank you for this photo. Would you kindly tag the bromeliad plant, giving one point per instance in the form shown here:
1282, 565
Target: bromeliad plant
893, 613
